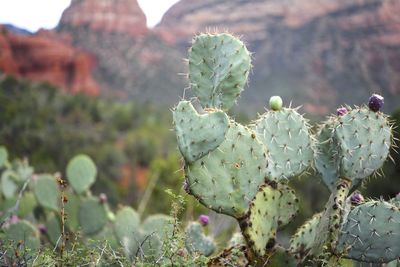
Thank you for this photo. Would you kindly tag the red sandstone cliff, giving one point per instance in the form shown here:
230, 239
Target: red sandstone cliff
43, 57
118, 16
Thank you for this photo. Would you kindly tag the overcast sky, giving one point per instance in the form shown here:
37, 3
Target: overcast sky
35, 14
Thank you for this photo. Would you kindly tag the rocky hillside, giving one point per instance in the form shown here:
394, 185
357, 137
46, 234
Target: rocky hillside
133, 62
317, 52
45, 57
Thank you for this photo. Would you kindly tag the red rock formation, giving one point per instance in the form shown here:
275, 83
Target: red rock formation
119, 16
44, 58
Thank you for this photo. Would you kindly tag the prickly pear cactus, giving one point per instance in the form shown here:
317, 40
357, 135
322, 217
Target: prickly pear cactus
286, 136
197, 135
227, 179
92, 216
23, 236
274, 206
9, 186
81, 173
3, 156
304, 238
46, 191
371, 233
360, 140
126, 227
219, 65
53, 227
197, 242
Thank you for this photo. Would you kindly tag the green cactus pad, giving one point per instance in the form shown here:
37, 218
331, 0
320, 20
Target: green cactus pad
72, 211
325, 156
126, 227
92, 216
27, 204
81, 173
237, 239
53, 229
285, 134
364, 139
47, 192
304, 238
23, 170
371, 233
9, 186
218, 69
3, 156
197, 242
332, 217
227, 179
273, 207
160, 224
197, 134
23, 231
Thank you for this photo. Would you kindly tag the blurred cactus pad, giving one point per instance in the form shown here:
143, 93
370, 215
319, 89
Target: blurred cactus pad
245, 171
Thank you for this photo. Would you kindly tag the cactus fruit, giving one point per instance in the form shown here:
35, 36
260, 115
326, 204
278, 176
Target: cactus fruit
371, 233
356, 198
275, 103
289, 146
218, 69
274, 206
3, 156
197, 242
304, 238
92, 216
227, 179
23, 236
46, 191
197, 135
341, 111
81, 173
375, 102
204, 219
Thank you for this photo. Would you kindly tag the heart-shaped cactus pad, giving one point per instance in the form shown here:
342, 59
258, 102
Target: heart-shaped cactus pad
198, 134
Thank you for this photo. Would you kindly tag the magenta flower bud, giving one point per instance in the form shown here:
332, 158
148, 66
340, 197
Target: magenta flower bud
375, 102
356, 199
103, 198
14, 219
204, 219
341, 111
42, 228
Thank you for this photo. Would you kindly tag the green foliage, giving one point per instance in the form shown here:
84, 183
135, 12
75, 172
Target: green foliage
81, 173
3, 156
